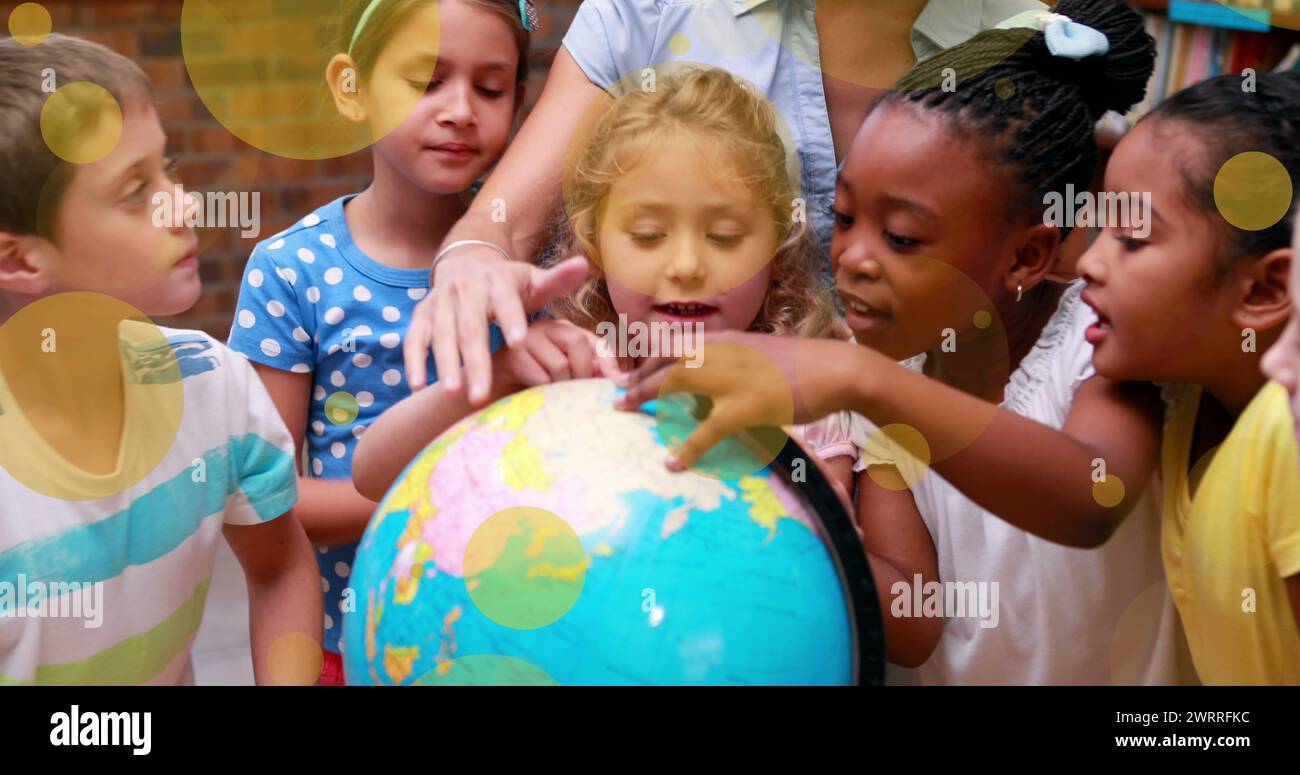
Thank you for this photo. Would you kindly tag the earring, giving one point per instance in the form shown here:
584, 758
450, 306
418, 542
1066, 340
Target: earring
1020, 293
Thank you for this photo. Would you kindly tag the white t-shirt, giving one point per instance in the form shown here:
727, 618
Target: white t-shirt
103, 578
1064, 615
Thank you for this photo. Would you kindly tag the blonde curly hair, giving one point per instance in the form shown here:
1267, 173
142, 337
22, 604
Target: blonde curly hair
739, 124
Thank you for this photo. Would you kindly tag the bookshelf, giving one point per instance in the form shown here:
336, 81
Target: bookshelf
1197, 39
1253, 15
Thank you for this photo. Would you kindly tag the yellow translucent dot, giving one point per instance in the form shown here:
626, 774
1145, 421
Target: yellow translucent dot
295, 659
30, 24
1109, 492
901, 455
982, 319
679, 44
259, 68
136, 404
1253, 191
81, 122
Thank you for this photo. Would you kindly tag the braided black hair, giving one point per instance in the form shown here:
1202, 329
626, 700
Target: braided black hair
1038, 110
1228, 120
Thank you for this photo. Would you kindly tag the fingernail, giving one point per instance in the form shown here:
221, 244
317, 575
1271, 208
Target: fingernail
515, 336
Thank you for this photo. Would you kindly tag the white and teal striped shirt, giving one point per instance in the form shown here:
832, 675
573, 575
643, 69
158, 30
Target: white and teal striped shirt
103, 578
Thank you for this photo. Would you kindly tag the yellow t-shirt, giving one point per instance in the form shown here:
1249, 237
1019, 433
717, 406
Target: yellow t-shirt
1228, 550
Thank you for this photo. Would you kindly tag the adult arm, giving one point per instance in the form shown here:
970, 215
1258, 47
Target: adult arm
474, 285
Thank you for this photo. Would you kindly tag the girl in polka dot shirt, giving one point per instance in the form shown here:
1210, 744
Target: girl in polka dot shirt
324, 305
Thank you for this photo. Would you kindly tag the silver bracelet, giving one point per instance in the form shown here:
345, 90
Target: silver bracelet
460, 244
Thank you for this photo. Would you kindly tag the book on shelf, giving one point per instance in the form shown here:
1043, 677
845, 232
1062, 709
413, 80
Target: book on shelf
1187, 54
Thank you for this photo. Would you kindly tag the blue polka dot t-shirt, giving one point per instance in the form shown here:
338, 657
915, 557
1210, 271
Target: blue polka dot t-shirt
312, 302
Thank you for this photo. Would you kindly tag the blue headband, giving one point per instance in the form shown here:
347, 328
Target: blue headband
527, 15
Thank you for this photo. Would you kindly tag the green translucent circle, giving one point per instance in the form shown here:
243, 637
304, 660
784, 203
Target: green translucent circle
486, 670
341, 408
524, 567
676, 418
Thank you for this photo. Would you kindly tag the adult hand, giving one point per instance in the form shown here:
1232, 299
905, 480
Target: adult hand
474, 286
752, 380
553, 351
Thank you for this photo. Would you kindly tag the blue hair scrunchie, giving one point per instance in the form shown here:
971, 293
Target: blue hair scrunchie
1065, 37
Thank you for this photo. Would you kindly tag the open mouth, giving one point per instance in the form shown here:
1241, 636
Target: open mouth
685, 310
1097, 332
861, 316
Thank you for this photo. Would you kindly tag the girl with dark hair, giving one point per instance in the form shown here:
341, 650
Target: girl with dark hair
1013, 449
1196, 303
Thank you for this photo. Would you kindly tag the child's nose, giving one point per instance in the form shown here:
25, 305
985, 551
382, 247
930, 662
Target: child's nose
859, 259
183, 205
1091, 266
456, 107
687, 262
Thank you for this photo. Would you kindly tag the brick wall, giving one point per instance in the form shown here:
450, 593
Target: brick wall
211, 158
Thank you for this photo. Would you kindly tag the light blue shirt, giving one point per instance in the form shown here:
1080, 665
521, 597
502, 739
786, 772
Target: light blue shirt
773, 44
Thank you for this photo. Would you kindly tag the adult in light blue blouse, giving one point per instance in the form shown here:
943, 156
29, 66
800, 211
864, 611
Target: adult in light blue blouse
820, 63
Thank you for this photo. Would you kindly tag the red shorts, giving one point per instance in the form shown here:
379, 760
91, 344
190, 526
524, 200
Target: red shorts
331, 672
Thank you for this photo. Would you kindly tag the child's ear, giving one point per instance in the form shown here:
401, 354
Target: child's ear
1264, 298
345, 84
25, 264
1036, 253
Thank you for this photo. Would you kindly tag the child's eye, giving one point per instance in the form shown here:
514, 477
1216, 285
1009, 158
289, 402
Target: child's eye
899, 241
1130, 244
493, 93
725, 240
135, 194
843, 221
169, 169
425, 86
646, 237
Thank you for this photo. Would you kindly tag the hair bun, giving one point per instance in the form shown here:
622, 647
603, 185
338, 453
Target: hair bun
1116, 80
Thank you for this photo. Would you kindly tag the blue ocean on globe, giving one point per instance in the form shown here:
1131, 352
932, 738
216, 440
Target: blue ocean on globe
542, 541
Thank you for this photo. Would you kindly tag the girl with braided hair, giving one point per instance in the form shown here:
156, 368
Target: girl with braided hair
1196, 303
1007, 450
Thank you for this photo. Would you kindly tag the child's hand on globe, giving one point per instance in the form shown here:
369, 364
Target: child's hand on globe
753, 380
552, 351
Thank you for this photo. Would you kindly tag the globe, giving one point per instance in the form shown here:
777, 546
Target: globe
542, 541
